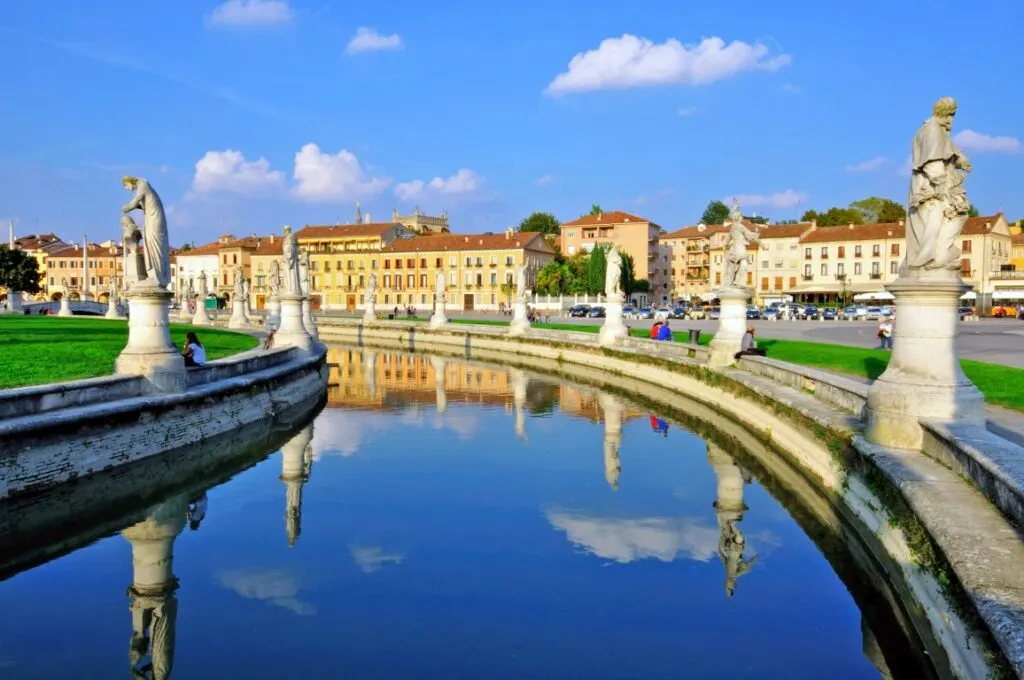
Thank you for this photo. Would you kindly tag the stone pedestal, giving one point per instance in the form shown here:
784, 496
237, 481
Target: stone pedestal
520, 383
612, 409
613, 329
292, 331
307, 318
924, 378
273, 311
371, 311
732, 324
296, 465
65, 306
238, 319
520, 321
184, 315
149, 351
438, 318
201, 316
112, 312
14, 302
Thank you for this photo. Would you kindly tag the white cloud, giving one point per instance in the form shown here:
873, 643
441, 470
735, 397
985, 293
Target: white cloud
276, 587
626, 540
982, 143
780, 199
870, 165
654, 197
629, 61
687, 111
545, 180
372, 558
462, 182
369, 40
228, 172
324, 177
250, 13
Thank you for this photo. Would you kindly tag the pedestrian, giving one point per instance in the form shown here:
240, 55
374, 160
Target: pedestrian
885, 334
748, 346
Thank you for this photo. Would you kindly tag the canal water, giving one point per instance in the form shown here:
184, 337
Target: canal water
447, 519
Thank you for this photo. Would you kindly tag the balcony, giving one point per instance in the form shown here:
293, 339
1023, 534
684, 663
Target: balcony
875, 275
840, 277
1008, 275
807, 277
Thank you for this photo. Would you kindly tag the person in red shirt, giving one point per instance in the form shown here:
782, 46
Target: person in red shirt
654, 330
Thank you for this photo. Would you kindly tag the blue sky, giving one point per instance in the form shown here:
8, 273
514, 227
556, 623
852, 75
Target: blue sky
251, 114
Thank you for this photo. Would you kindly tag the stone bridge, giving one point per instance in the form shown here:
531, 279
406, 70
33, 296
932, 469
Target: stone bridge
77, 307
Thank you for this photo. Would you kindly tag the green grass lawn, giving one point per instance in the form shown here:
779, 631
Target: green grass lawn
45, 349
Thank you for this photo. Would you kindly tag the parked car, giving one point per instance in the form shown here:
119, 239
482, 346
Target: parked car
579, 310
662, 313
716, 313
596, 312
873, 313
808, 312
679, 313
753, 312
829, 314
629, 311
645, 313
966, 312
855, 313
695, 313
770, 314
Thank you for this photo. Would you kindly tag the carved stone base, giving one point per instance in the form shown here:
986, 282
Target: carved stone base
13, 304
613, 329
923, 378
371, 311
292, 332
238, 319
307, 319
201, 316
149, 351
732, 324
438, 318
65, 307
273, 318
520, 321
112, 312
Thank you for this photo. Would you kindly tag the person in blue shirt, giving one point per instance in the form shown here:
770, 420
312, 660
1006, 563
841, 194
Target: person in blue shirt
664, 332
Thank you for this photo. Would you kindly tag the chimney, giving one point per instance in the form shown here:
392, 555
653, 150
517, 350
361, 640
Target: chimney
814, 224
508, 233
600, 216
900, 223
851, 225
271, 238
466, 239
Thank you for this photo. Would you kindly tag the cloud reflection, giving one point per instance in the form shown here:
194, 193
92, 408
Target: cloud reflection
343, 433
625, 540
274, 586
371, 558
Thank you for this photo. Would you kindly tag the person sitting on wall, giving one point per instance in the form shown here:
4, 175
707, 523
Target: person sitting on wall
655, 329
195, 353
664, 332
748, 346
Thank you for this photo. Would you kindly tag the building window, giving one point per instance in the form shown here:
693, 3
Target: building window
387, 280
965, 265
876, 268
966, 246
842, 251
718, 277
876, 250
423, 299
494, 278
764, 283
423, 262
778, 283
509, 260
398, 263
411, 281
387, 264
451, 261
824, 270
894, 250
452, 280
764, 264
856, 269
894, 267
360, 280
479, 262
792, 282
856, 251
234, 259
423, 280
373, 264
841, 269
824, 252
469, 261
410, 263
51, 281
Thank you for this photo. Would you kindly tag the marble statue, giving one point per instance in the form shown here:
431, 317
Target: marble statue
134, 262
203, 291
613, 273
274, 280
239, 282
740, 237
190, 291
371, 289
292, 282
735, 215
521, 284
154, 229
112, 290
439, 286
246, 292
304, 272
938, 202
64, 282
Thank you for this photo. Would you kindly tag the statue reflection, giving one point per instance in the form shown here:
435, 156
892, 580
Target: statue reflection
612, 409
440, 373
153, 604
296, 465
729, 509
520, 383
873, 651
370, 371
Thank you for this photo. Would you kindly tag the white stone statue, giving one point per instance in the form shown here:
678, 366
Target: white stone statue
246, 292
135, 263
239, 282
292, 282
439, 286
740, 237
371, 289
521, 284
274, 280
154, 229
112, 290
190, 291
304, 272
938, 202
64, 282
613, 273
735, 215
203, 291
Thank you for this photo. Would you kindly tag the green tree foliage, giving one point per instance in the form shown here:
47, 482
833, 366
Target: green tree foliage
628, 274
641, 286
578, 279
972, 211
550, 278
18, 270
785, 222
595, 209
878, 209
834, 217
757, 219
596, 270
544, 222
716, 213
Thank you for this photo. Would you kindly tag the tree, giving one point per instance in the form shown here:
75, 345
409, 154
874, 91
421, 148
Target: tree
716, 213
577, 277
642, 286
596, 270
18, 271
878, 209
544, 222
549, 279
628, 274
508, 289
595, 209
972, 211
757, 219
785, 222
834, 217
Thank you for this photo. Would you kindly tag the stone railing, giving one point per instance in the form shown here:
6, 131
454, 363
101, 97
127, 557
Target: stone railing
845, 393
240, 364
25, 401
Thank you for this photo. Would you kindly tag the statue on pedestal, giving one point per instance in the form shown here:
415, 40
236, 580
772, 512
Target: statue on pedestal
613, 273
521, 284
134, 262
304, 272
154, 229
371, 289
246, 292
938, 202
439, 288
190, 292
292, 282
239, 283
203, 290
740, 237
274, 281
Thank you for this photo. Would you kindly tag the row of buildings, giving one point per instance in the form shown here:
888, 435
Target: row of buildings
807, 262
804, 261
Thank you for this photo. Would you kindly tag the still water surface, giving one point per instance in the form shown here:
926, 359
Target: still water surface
449, 520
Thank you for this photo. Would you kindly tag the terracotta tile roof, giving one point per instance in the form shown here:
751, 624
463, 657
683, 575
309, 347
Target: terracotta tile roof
610, 217
783, 230
259, 245
38, 242
205, 249
345, 230
696, 231
857, 232
981, 225
1018, 240
71, 250
457, 242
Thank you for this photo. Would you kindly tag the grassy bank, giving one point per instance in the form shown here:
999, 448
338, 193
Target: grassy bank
44, 349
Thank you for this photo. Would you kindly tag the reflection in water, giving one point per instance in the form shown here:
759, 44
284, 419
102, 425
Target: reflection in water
296, 465
372, 558
729, 509
612, 409
520, 383
275, 586
154, 606
627, 540
441, 396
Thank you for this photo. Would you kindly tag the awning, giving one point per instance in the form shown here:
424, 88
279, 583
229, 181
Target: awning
1009, 294
877, 295
969, 295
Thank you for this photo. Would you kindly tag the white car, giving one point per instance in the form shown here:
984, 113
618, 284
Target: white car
662, 314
